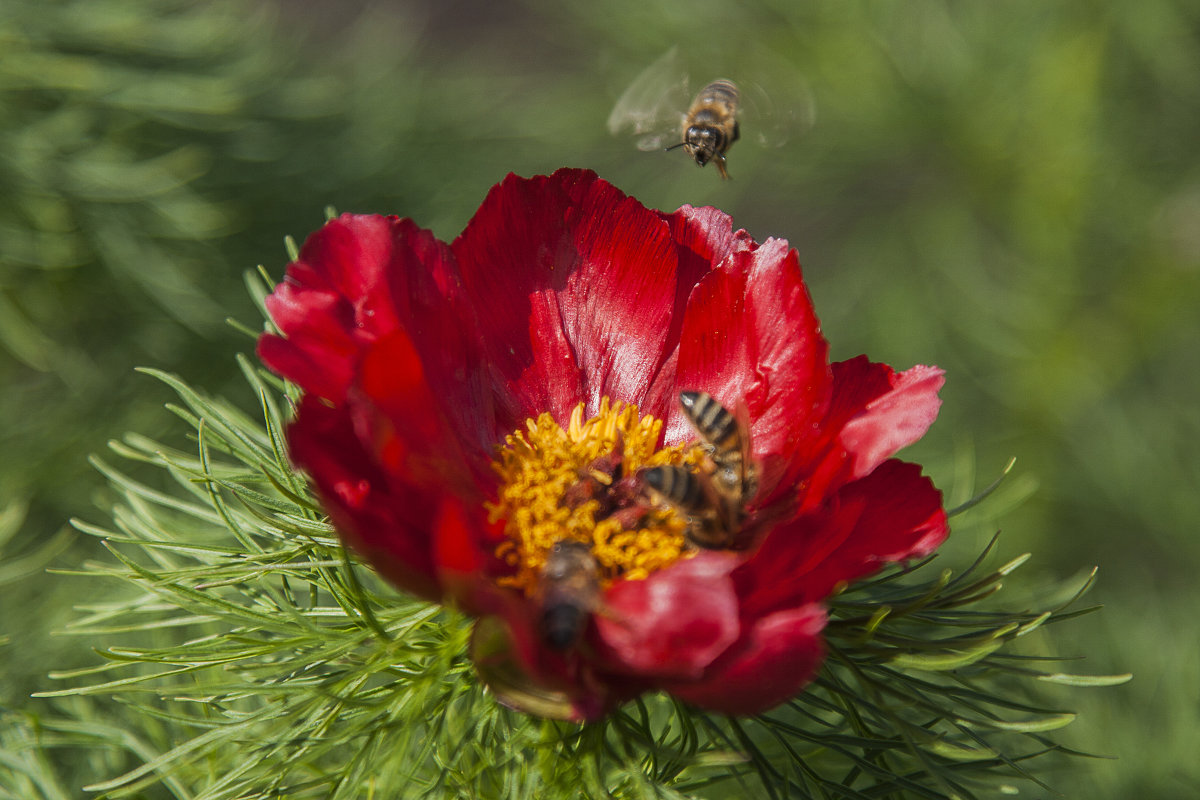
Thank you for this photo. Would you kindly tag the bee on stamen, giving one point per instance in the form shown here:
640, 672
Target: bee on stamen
712, 496
569, 591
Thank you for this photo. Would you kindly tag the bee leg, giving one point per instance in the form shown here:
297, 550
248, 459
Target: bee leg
720, 161
736, 132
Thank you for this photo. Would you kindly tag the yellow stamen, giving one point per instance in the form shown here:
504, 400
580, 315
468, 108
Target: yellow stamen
556, 482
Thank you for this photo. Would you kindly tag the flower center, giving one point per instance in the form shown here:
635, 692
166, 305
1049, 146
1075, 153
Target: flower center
580, 484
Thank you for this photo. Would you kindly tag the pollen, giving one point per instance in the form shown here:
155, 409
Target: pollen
580, 483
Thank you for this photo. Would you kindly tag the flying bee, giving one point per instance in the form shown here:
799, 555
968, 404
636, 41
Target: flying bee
662, 112
712, 497
569, 592
710, 126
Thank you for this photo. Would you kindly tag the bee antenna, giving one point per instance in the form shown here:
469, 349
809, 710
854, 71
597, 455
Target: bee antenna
672, 147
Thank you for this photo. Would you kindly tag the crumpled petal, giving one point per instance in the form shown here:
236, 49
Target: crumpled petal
333, 303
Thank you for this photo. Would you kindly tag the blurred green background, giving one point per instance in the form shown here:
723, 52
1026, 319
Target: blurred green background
1008, 190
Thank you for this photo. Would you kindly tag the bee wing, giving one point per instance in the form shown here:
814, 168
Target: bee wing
776, 122
749, 470
652, 107
777, 103
655, 142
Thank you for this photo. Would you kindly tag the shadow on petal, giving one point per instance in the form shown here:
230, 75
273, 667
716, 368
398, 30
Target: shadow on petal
499, 667
777, 658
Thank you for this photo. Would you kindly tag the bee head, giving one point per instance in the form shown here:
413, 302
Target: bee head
702, 143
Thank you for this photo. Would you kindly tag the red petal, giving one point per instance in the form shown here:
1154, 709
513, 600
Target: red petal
902, 519
312, 365
460, 558
874, 412
674, 623
401, 415
704, 237
354, 254
574, 283
750, 335
393, 380
776, 658
893, 514
333, 302
891, 421
432, 308
386, 524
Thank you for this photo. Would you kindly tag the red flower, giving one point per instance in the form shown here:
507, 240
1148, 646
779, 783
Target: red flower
468, 406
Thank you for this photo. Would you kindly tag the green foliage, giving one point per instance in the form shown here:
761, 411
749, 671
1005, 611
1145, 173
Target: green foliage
254, 660
108, 127
145, 146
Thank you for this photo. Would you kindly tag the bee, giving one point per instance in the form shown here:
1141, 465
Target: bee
689, 493
569, 593
714, 496
659, 109
728, 441
710, 126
